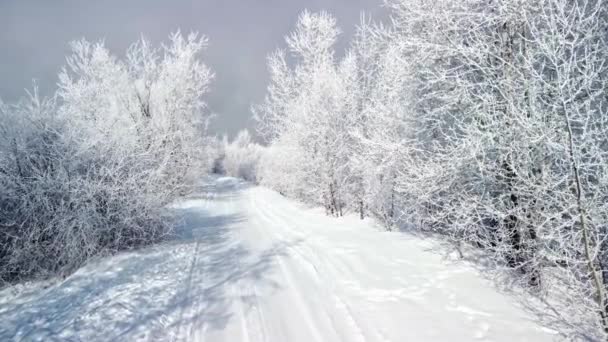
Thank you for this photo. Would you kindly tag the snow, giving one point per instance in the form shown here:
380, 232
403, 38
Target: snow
250, 265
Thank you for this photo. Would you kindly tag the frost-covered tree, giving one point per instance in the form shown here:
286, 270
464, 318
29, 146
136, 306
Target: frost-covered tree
480, 121
306, 113
152, 102
241, 157
502, 82
570, 76
92, 169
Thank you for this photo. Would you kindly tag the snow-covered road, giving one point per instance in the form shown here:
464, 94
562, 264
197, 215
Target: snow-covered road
250, 265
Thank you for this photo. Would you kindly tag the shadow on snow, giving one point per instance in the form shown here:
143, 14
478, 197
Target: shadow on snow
165, 289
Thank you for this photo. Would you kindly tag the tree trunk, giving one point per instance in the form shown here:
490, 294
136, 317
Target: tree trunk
590, 259
361, 213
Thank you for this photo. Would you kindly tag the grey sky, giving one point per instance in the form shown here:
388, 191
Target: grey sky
34, 38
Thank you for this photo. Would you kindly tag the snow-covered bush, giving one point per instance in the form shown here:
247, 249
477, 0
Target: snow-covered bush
92, 170
241, 157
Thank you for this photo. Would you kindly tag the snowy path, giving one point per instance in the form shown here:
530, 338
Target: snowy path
252, 266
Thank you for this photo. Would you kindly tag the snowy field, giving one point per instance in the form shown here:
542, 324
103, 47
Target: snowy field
249, 265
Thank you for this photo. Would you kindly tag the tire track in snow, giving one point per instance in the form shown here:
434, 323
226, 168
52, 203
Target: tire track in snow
356, 333
296, 293
196, 307
244, 294
311, 255
238, 291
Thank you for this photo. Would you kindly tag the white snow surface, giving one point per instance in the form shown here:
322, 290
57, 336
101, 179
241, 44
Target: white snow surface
250, 265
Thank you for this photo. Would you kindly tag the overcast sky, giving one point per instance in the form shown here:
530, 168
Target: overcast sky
34, 38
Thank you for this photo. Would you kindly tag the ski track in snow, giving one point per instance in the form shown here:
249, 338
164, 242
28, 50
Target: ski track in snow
249, 265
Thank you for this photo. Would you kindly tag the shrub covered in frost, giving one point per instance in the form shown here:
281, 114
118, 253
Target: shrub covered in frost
91, 170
